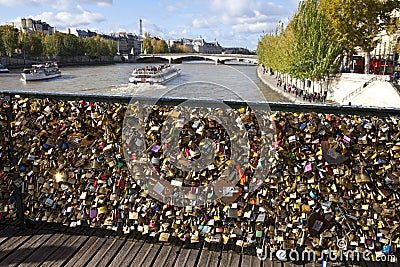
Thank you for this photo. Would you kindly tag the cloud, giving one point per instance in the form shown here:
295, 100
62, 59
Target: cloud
103, 3
245, 15
153, 29
253, 27
79, 17
22, 2
172, 8
59, 4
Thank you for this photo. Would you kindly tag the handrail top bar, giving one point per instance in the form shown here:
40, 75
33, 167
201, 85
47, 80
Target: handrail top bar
273, 106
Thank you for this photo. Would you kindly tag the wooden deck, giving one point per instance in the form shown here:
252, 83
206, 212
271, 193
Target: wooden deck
47, 244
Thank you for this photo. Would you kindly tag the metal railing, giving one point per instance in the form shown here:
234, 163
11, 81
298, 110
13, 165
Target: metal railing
168, 101
359, 89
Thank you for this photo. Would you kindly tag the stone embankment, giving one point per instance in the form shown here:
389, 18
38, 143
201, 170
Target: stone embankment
348, 88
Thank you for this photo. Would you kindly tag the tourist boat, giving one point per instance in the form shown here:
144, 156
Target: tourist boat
154, 74
47, 70
3, 69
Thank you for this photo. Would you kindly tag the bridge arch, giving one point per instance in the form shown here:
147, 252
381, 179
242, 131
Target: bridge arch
217, 58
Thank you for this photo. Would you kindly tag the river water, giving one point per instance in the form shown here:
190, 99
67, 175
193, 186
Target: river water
198, 80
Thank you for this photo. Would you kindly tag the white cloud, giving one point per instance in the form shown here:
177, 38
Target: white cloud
257, 27
59, 4
205, 23
23, 2
153, 29
172, 8
79, 17
244, 15
104, 3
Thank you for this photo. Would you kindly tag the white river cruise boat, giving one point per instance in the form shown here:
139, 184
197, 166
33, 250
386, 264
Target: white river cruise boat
154, 74
47, 70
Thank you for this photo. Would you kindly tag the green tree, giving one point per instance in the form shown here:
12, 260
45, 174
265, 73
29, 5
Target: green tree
275, 50
2, 48
90, 46
356, 23
97, 46
52, 45
392, 30
72, 46
112, 49
23, 43
318, 53
305, 49
9, 39
35, 45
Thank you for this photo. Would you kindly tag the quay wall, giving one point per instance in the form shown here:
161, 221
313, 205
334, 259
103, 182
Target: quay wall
17, 63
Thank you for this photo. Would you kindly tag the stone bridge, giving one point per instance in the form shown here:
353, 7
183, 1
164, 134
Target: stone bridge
218, 58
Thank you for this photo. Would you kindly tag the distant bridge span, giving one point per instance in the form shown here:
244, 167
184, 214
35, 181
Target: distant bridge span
218, 58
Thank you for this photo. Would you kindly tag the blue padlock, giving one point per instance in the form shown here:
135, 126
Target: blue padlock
386, 248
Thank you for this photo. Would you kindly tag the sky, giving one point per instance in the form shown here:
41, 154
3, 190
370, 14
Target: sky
234, 23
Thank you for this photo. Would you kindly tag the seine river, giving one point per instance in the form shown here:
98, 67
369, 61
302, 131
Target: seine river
198, 80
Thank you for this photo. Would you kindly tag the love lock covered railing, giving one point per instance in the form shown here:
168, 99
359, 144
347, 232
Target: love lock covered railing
276, 176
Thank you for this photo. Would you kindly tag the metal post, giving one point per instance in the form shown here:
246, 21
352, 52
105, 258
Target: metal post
16, 181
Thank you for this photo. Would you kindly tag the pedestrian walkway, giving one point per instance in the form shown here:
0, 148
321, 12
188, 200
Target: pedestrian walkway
271, 81
50, 244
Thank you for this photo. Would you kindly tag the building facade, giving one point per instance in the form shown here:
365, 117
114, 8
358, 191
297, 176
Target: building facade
198, 45
201, 46
30, 25
128, 43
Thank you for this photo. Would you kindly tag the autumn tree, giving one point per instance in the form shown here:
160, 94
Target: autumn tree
356, 23
146, 46
160, 47
179, 48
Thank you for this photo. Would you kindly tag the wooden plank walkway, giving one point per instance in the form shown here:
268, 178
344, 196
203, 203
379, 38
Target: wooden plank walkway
55, 245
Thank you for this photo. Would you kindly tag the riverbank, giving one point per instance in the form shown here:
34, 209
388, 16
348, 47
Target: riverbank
270, 81
19, 63
348, 89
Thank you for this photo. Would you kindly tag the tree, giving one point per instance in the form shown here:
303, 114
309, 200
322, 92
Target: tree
72, 46
90, 46
356, 23
23, 43
392, 30
317, 52
147, 47
153, 44
305, 49
97, 46
35, 45
52, 45
112, 49
2, 48
9, 40
160, 46
179, 48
